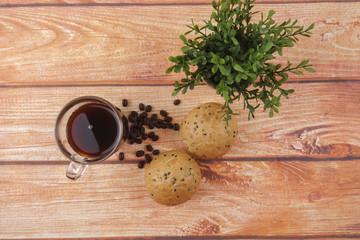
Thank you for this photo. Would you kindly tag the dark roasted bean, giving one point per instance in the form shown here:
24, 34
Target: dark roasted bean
176, 127
140, 153
151, 134
163, 126
163, 113
148, 158
168, 119
149, 148
153, 118
141, 164
143, 115
134, 113
161, 121
151, 125
132, 140
155, 138
141, 107
177, 102
125, 102
137, 133
131, 118
121, 156
142, 131
148, 108
157, 125
144, 137
145, 121
156, 152
169, 125
138, 141
125, 120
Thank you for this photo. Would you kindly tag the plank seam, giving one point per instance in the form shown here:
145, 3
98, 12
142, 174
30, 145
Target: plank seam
135, 161
164, 84
34, 5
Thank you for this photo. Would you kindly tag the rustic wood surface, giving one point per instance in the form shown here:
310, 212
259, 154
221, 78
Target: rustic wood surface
294, 176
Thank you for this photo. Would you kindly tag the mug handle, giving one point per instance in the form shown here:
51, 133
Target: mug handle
75, 170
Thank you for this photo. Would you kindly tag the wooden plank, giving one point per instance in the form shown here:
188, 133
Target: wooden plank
15, 3
319, 120
235, 199
87, 45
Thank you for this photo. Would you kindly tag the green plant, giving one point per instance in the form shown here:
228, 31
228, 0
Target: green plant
236, 56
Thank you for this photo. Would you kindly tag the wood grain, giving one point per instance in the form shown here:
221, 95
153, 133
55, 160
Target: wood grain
84, 45
235, 199
310, 124
18, 3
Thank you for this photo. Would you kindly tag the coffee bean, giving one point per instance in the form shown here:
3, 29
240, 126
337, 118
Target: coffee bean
153, 118
149, 147
138, 141
145, 121
169, 125
163, 113
121, 156
156, 152
143, 115
177, 102
148, 158
151, 134
151, 125
176, 127
155, 138
141, 164
131, 118
134, 113
144, 137
160, 121
141, 107
142, 131
168, 119
148, 108
132, 141
140, 153
125, 102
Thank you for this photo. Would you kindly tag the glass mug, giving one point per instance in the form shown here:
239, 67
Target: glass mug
88, 130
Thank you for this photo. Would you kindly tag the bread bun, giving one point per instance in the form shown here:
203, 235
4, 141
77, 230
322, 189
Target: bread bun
172, 177
205, 132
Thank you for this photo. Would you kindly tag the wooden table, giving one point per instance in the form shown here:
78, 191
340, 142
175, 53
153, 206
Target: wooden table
294, 176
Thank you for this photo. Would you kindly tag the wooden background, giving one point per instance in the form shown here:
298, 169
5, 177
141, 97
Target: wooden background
295, 176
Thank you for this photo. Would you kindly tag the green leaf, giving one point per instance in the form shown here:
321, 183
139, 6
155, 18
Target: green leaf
271, 113
222, 61
183, 38
225, 70
268, 46
238, 68
169, 70
310, 69
214, 69
185, 49
235, 41
215, 59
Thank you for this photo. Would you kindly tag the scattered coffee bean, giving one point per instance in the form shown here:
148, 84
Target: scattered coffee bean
140, 153
155, 138
177, 102
151, 134
168, 119
141, 107
156, 152
163, 113
134, 113
143, 115
141, 164
144, 137
149, 148
148, 108
121, 156
148, 158
151, 125
153, 118
176, 127
125, 102
132, 141
169, 125
131, 118
138, 141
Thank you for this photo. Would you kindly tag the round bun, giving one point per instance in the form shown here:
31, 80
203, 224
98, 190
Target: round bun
205, 132
172, 177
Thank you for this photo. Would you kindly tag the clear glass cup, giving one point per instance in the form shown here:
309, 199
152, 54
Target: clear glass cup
79, 160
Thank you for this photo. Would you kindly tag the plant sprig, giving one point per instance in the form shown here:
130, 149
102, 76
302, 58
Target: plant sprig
236, 56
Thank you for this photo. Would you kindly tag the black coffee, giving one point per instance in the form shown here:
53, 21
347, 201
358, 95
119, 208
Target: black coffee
93, 130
